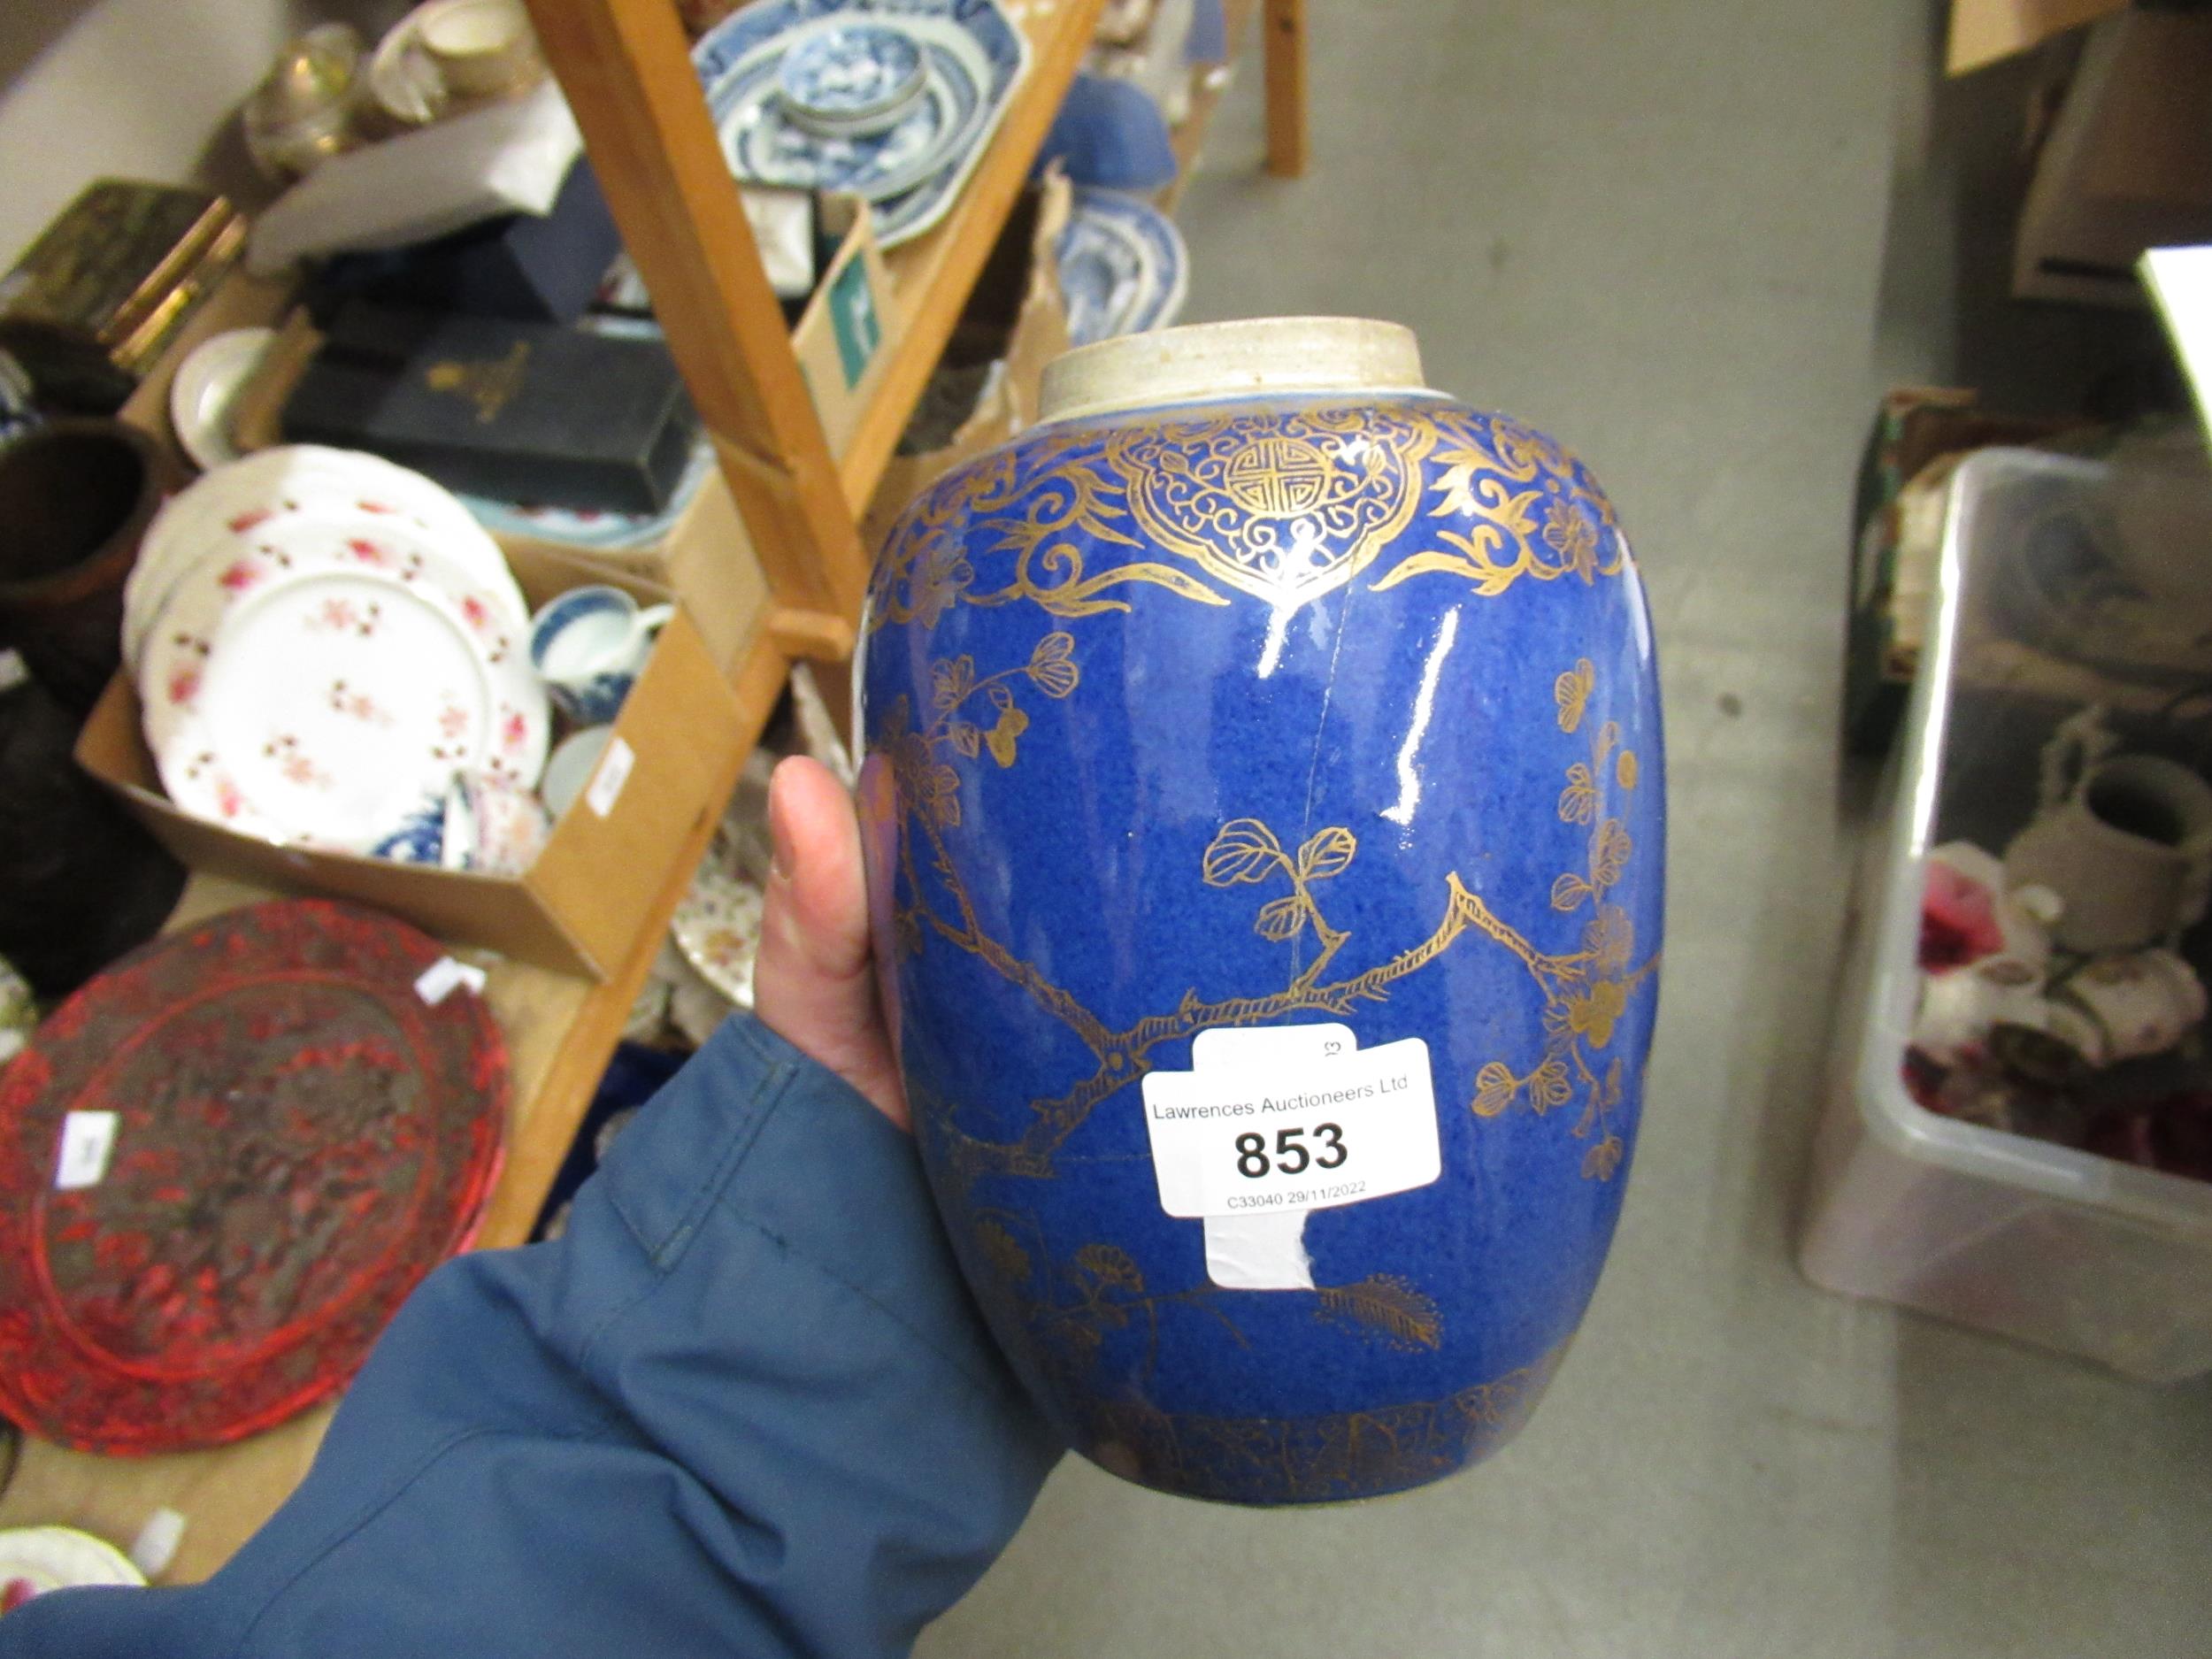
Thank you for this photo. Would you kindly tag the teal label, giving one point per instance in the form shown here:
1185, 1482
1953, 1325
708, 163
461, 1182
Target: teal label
852, 305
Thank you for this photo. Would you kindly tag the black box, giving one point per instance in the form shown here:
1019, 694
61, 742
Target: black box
526, 266
518, 411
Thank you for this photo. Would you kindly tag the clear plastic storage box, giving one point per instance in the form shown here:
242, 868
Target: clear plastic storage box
2071, 629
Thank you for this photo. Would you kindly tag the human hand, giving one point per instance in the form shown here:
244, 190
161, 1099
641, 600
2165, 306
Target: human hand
814, 982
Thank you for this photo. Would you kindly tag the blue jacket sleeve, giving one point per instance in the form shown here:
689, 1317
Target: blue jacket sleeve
742, 1407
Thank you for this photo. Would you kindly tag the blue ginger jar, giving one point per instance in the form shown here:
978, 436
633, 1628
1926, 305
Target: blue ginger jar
1266, 831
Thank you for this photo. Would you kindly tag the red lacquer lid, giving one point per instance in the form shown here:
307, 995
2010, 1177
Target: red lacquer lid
298, 1138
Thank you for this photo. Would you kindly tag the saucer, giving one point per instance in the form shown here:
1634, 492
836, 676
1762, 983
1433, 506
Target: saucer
605, 529
206, 389
852, 78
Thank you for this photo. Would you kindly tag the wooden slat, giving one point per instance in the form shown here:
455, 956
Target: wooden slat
818, 635
557, 1105
1209, 84
1285, 46
933, 274
627, 70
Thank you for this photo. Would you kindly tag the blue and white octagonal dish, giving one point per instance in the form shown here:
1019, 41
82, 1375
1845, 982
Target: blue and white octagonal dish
910, 170
1265, 822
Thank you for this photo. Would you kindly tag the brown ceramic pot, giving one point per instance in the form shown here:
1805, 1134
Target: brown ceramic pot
75, 498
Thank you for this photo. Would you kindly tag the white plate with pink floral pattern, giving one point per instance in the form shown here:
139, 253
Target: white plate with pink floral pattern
252, 501
717, 924
317, 691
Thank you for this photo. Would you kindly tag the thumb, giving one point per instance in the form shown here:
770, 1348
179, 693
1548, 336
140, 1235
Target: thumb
813, 984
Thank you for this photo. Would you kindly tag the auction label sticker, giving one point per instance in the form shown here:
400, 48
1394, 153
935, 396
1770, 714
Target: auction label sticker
445, 976
87, 1141
1262, 1249
613, 771
1301, 1133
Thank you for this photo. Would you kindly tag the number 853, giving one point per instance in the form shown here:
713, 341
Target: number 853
1291, 1156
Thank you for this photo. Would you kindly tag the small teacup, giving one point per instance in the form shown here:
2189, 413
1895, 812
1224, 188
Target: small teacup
589, 646
498, 827
853, 79
2140, 1003
482, 48
569, 768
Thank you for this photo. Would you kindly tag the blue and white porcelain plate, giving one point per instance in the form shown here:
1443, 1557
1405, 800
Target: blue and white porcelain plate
1123, 267
912, 170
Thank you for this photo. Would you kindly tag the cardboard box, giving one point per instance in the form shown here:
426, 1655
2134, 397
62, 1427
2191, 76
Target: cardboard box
848, 332
1015, 321
577, 909
1983, 31
851, 327
2128, 163
1892, 572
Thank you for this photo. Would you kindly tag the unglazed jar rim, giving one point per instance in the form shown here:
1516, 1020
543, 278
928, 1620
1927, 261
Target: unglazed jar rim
1247, 358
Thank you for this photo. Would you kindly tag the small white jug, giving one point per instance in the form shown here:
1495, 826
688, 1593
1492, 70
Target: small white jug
2125, 842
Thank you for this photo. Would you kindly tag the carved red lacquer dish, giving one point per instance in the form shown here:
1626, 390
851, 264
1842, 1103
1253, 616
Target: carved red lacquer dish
298, 1138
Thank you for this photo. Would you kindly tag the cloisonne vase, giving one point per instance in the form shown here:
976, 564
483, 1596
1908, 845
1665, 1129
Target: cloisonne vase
1266, 823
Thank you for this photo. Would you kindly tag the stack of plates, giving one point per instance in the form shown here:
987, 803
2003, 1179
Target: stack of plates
322, 643
1123, 268
892, 100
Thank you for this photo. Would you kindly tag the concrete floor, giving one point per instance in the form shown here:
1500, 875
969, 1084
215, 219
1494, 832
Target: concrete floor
1663, 229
